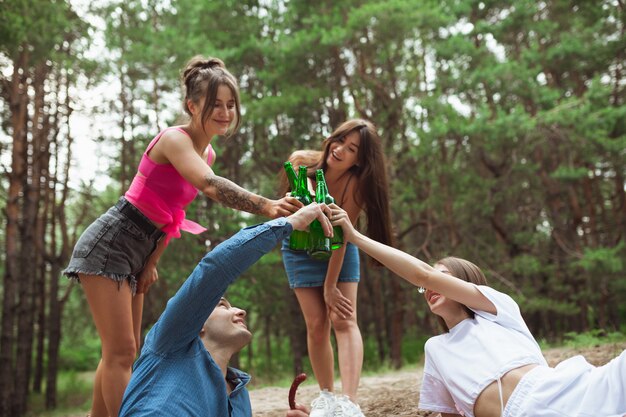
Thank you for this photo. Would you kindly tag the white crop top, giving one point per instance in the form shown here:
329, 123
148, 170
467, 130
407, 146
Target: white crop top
476, 352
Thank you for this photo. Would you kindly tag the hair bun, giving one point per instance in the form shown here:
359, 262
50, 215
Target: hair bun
212, 63
198, 63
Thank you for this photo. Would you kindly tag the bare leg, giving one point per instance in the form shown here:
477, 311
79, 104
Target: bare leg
111, 309
98, 408
349, 344
137, 306
318, 334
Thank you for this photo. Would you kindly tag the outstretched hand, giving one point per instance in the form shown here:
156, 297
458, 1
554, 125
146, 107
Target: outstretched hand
301, 219
339, 217
285, 206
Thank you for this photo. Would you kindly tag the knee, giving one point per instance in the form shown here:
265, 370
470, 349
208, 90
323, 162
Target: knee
121, 353
318, 329
341, 324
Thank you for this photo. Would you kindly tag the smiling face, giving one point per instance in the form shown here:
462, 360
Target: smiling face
210, 89
224, 111
218, 118
227, 326
343, 153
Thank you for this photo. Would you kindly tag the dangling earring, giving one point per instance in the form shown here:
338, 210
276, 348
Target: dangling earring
421, 290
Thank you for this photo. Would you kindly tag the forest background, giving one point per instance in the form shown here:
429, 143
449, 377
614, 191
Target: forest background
503, 123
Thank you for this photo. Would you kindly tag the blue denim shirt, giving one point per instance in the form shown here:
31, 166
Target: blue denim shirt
175, 375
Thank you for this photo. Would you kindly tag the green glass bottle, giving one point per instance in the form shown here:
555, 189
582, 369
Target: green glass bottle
299, 239
292, 177
337, 239
319, 243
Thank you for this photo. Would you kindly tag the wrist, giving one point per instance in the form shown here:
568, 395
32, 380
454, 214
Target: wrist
270, 209
354, 237
329, 287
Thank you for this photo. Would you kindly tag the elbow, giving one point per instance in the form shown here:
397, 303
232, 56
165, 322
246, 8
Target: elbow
210, 192
210, 188
421, 277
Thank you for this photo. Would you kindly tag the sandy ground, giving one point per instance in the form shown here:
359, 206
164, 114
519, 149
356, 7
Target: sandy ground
396, 394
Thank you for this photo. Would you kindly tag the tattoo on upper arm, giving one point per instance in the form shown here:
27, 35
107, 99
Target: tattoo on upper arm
233, 196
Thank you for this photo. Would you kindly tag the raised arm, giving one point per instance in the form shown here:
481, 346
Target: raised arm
413, 270
179, 151
189, 308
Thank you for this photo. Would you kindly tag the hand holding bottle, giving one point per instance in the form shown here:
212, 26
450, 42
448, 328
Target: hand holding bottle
339, 217
284, 207
303, 217
299, 239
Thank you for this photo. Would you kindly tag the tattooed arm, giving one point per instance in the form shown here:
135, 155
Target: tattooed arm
177, 149
231, 195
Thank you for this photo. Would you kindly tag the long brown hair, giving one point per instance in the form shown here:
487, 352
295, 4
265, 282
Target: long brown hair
202, 77
466, 271
372, 190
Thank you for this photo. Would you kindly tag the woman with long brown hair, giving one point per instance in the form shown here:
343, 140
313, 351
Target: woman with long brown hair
354, 168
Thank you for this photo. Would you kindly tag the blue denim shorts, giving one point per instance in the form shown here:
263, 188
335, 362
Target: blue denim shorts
304, 271
115, 246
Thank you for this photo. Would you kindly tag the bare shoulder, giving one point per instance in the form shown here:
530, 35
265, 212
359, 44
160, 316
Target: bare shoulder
171, 143
175, 138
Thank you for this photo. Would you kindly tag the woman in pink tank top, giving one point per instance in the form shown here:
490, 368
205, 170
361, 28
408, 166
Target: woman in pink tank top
115, 258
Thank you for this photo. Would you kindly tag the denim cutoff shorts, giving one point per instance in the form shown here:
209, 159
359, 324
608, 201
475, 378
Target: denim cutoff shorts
115, 246
304, 271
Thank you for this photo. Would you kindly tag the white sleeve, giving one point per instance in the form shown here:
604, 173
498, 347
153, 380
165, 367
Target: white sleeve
507, 311
434, 396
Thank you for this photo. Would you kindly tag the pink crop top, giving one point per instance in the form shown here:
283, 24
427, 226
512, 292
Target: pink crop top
162, 194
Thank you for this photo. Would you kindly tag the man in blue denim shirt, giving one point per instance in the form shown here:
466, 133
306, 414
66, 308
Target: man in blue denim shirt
182, 369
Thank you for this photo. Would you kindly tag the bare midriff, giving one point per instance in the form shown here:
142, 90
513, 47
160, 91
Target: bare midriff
488, 402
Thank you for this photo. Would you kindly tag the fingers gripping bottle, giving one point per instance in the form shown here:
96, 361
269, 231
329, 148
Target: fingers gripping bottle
319, 243
299, 239
337, 240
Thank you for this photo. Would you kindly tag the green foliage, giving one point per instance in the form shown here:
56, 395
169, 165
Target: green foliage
503, 124
83, 356
592, 338
40, 26
603, 260
74, 396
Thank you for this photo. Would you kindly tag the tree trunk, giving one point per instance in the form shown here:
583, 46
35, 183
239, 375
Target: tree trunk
296, 332
58, 257
373, 286
267, 325
397, 322
18, 106
40, 330
28, 252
